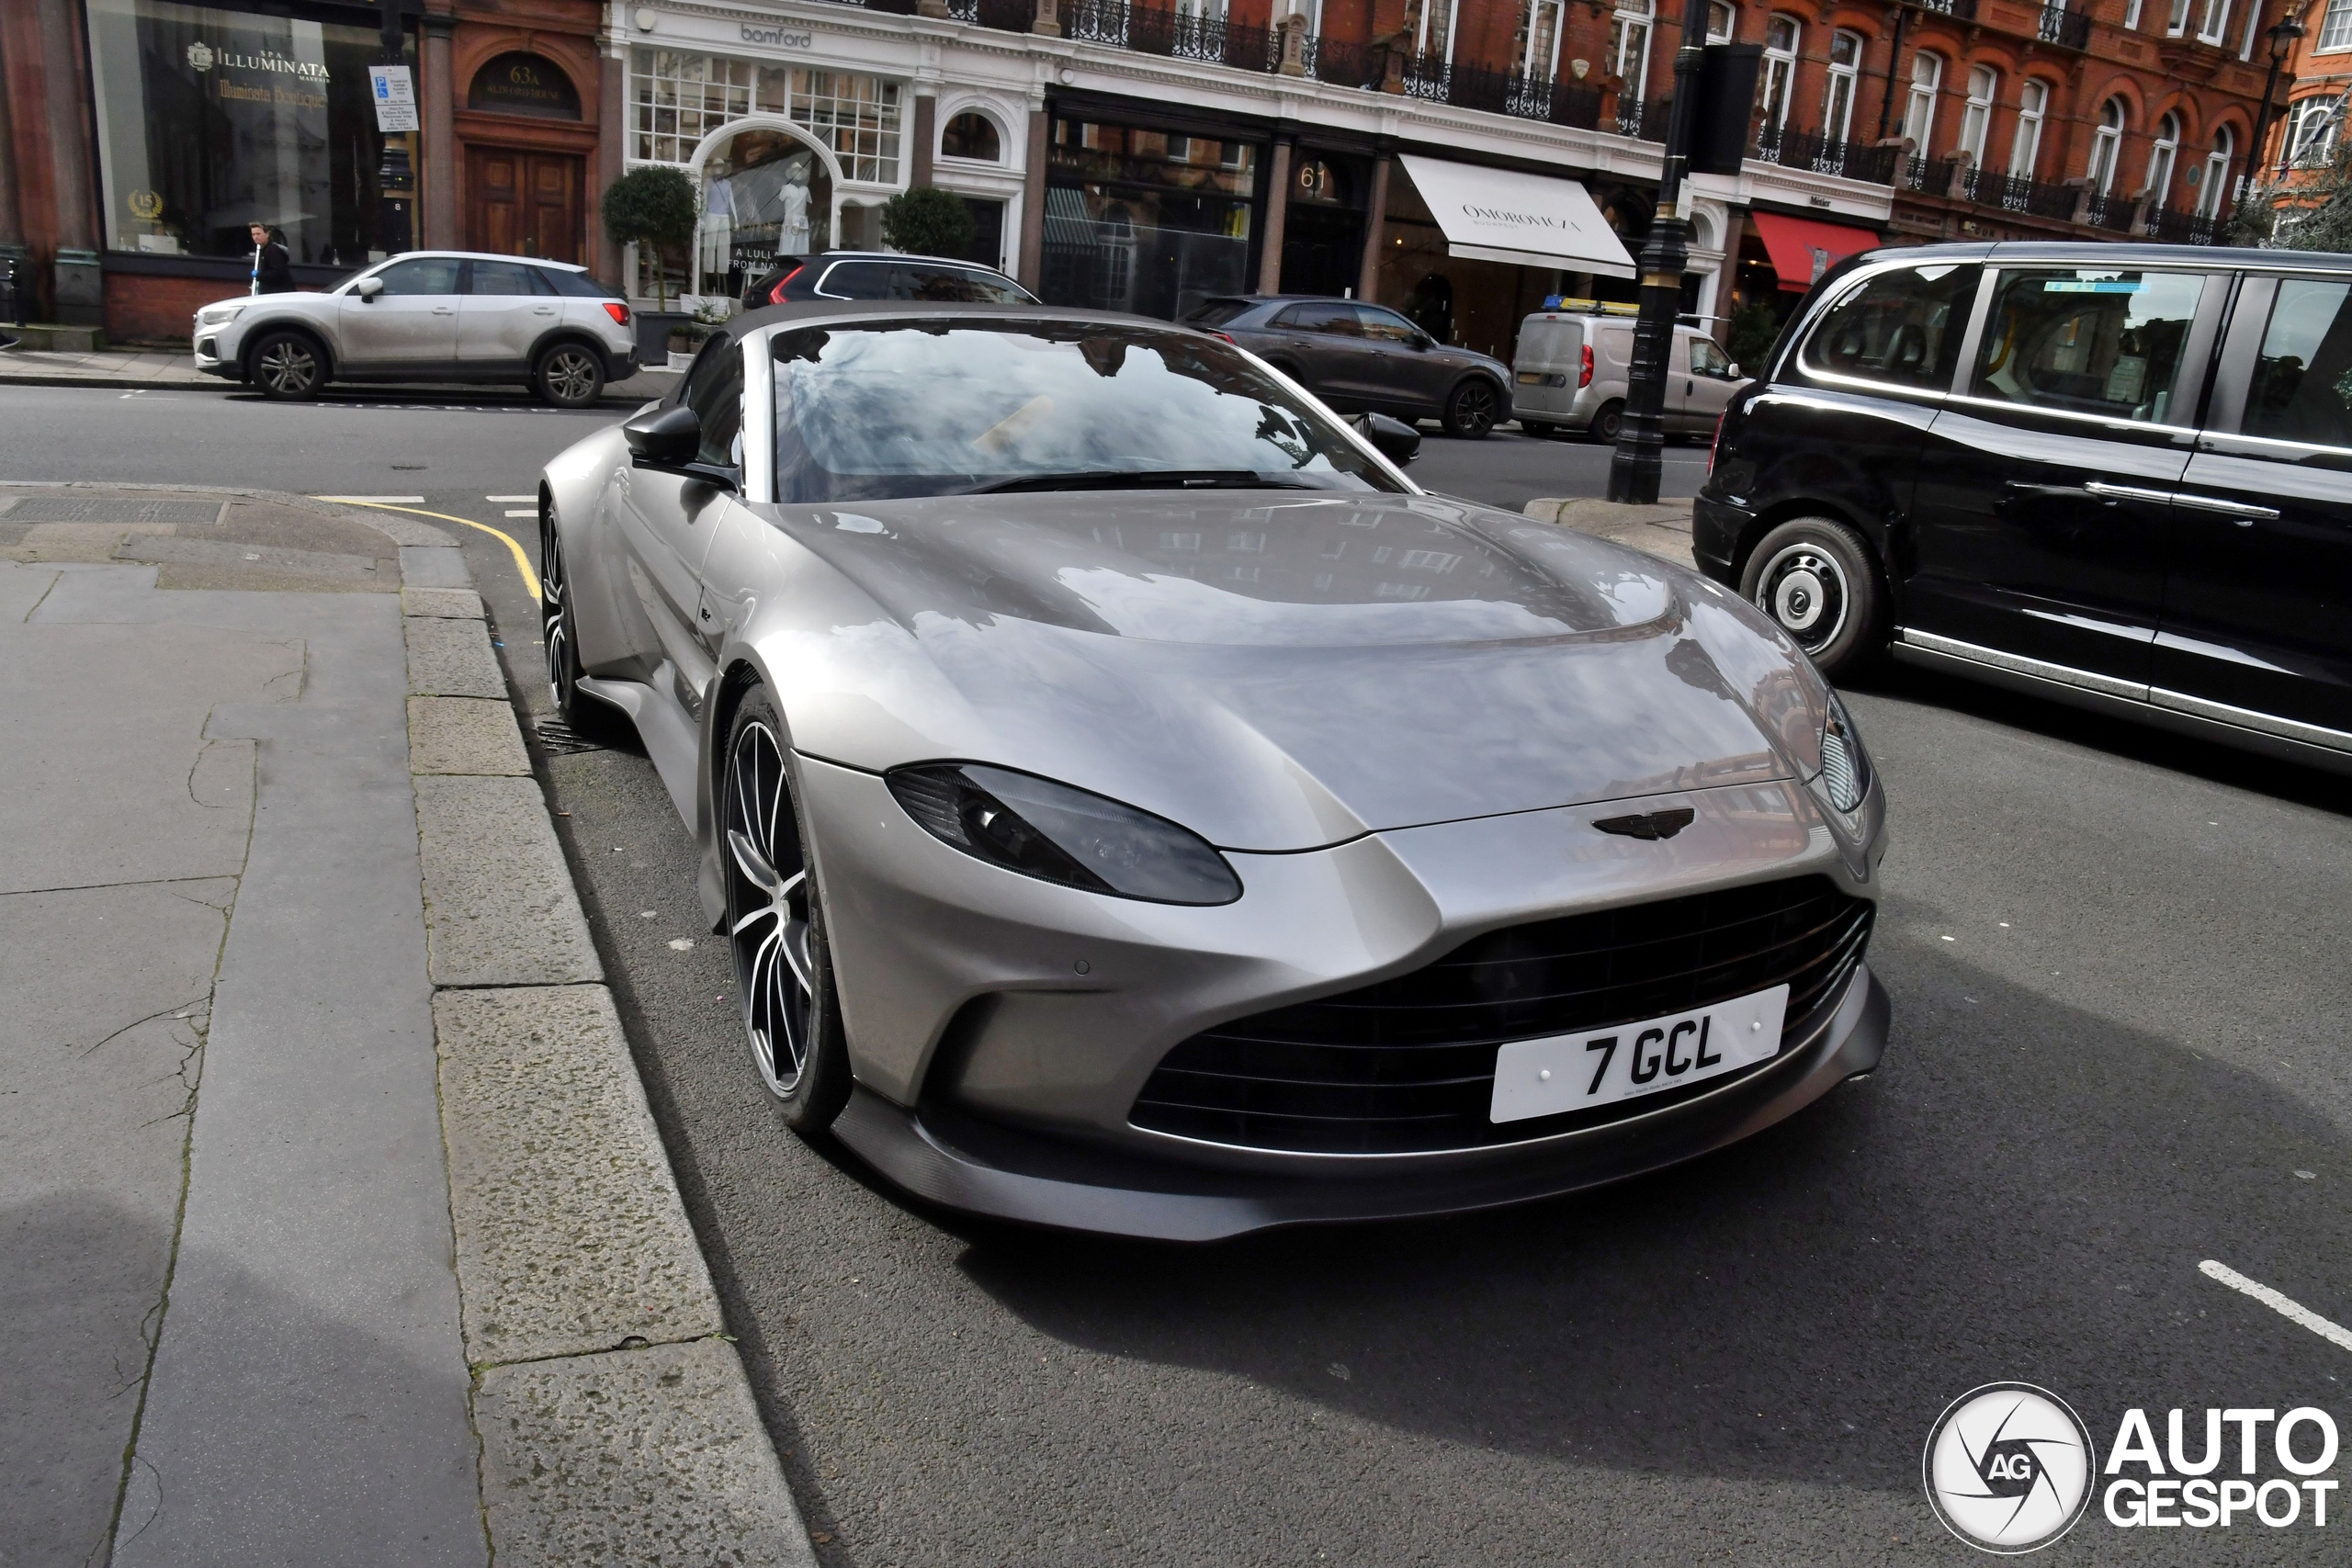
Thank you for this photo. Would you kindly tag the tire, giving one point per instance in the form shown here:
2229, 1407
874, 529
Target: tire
1472, 409
569, 375
1607, 421
775, 927
287, 366
1818, 581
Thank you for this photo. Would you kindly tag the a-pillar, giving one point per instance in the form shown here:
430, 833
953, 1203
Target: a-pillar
1269, 248
926, 136
439, 96
1032, 203
1375, 231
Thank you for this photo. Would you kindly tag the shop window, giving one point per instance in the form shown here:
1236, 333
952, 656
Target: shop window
211, 119
525, 84
973, 136
1141, 220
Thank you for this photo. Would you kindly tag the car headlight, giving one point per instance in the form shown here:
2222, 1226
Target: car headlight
1058, 834
1845, 766
218, 315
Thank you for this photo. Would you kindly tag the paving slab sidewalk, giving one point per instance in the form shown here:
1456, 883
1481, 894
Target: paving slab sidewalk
1662, 529
333, 1226
160, 369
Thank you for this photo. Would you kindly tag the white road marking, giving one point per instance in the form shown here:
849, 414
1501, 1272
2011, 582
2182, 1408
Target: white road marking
2293, 1311
504, 498
522, 512
378, 500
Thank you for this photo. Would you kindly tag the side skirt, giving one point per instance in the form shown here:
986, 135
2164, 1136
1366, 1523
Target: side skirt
670, 734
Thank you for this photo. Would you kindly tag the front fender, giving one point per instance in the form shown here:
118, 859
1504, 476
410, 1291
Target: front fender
572, 489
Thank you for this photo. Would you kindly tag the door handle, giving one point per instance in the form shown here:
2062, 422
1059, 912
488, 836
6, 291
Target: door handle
444, 309
2106, 492
2245, 512
543, 310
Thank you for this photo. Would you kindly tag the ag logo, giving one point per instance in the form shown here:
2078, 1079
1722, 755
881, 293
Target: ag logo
200, 55
2008, 1468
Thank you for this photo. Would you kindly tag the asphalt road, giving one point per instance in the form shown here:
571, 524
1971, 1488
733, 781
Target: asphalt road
2118, 967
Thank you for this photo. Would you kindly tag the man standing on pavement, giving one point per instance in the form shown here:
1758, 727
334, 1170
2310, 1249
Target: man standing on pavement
273, 266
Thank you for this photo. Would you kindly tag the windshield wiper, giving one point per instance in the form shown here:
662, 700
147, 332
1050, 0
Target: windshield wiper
1143, 479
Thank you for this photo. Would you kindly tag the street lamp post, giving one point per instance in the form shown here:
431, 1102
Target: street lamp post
2284, 35
1633, 468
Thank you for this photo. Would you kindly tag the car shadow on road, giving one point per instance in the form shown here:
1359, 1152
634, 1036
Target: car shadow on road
2023, 1191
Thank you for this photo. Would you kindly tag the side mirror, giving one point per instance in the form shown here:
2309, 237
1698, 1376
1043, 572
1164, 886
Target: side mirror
367, 288
666, 438
1731, 371
1392, 438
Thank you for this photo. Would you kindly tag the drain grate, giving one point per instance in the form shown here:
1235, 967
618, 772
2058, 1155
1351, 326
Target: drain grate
97, 509
561, 739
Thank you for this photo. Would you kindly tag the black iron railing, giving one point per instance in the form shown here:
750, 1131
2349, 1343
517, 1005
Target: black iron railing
2177, 228
2066, 27
1959, 10
1825, 155
1341, 64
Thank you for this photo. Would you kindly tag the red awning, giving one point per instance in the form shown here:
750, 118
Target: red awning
1802, 250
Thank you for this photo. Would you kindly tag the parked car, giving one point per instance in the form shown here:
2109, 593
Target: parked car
2120, 476
882, 275
1570, 371
1355, 356
428, 316
1133, 806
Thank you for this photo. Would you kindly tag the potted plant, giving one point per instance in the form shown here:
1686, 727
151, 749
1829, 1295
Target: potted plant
654, 209
928, 221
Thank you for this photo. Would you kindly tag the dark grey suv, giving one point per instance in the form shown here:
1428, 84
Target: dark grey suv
1357, 357
2116, 475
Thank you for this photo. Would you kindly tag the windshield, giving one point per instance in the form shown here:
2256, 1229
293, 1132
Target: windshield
946, 407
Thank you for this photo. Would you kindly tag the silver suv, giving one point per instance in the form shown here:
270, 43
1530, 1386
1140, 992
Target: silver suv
428, 316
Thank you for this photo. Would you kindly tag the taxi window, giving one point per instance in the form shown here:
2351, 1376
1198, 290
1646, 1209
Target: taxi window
1901, 328
2104, 340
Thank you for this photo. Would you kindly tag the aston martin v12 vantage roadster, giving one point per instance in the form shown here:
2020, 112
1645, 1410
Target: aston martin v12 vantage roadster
1133, 805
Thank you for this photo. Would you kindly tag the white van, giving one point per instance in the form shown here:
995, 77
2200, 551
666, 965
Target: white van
1571, 367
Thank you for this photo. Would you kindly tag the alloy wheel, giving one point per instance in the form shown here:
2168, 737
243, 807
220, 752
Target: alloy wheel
1473, 409
1803, 588
570, 375
287, 367
555, 621
768, 910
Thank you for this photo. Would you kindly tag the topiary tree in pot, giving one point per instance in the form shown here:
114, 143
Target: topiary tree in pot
655, 208
925, 221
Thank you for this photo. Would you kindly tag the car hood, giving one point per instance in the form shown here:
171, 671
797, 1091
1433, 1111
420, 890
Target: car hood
1280, 670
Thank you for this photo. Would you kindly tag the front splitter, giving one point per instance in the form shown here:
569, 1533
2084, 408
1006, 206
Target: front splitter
1023, 1178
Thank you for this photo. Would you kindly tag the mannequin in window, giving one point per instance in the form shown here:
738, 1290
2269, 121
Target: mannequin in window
794, 237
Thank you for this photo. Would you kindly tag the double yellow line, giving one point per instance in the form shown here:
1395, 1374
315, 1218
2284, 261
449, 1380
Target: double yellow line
522, 561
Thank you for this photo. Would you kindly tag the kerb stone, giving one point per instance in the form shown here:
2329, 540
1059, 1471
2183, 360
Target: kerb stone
570, 1234
499, 906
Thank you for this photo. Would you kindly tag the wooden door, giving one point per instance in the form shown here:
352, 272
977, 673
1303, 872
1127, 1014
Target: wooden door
524, 204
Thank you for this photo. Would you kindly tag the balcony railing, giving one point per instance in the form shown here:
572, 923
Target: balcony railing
1825, 155
1959, 10
1004, 16
1645, 121
2175, 228
2066, 28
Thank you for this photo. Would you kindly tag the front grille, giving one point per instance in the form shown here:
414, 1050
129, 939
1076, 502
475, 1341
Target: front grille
1409, 1064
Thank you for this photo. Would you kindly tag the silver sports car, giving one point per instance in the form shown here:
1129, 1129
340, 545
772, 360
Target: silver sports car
1136, 806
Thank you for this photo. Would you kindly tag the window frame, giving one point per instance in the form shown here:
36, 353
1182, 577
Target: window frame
2335, 19
2197, 348
1976, 114
2025, 150
1919, 103
1862, 278
1778, 79
1837, 117
2106, 145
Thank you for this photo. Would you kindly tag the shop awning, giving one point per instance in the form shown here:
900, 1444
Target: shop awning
1518, 219
1801, 248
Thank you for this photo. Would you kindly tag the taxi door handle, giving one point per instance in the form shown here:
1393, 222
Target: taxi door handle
2244, 513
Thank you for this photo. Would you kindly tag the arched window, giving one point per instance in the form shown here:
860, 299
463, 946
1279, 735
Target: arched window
1845, 75
1721, 20
1629, 47
1919, 110
1977, 120
2312, 128
2216, 181
2025, 146
1782, 36
2161, 158
973, 136
1538, 40
2107, 146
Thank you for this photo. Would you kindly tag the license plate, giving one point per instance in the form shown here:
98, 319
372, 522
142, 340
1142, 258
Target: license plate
1573, 1072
